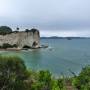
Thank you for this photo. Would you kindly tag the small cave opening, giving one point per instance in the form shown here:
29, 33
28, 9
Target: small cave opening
34, 44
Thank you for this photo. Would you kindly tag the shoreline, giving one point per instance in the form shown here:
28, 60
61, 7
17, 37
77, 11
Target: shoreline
20, 49
10, 49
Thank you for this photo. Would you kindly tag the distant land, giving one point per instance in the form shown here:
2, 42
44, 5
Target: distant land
69, 38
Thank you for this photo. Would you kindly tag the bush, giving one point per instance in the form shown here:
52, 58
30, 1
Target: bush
27, 30
12, 73
82, 82
14, 76
5, 30
34, 30
6, 45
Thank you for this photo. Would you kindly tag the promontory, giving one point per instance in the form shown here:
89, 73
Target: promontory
28, 38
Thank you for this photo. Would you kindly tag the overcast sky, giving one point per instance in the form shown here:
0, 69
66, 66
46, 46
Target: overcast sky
51, 17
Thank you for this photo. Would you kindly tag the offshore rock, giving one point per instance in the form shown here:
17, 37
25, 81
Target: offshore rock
22, 38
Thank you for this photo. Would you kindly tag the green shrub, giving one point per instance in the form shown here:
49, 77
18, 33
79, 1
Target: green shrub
33, 30
15, 76
27, 30
5, 30
44, 76
12, 73
60, 83
82, 82
6, 45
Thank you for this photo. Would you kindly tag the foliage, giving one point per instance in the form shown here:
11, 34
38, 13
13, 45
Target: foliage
17, 28
27, 30
12, 73
33, 30
5, 30
82, 82
6, 45
60, 83
15, 76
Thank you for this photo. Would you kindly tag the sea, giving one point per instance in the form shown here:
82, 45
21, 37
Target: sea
62, 57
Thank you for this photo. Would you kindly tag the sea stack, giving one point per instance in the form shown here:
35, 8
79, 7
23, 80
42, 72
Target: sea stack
29, 38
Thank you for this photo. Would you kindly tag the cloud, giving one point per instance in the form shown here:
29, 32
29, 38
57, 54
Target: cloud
61, 33
51, 15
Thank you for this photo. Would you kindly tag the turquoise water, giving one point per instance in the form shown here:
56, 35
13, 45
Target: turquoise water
62, 56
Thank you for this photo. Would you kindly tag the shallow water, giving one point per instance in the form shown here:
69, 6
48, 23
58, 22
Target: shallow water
62, 56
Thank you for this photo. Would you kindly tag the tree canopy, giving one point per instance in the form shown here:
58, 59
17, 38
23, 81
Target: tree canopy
5, 30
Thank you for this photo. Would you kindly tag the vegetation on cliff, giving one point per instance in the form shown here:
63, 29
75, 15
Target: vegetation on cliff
6, 45
15, 76
5, 30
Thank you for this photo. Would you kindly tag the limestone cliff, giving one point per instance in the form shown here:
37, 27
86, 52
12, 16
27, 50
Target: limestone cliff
30, 38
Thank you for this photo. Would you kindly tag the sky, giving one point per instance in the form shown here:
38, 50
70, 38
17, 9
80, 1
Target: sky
51, 17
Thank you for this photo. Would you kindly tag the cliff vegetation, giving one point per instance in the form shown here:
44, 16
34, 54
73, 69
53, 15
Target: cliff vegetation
5, 30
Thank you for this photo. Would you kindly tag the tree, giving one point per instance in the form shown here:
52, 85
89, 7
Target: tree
27, 30
17, 28
5, 30
12, 73
34, 30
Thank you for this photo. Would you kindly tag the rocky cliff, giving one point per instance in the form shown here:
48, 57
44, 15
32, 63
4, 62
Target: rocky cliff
30, 38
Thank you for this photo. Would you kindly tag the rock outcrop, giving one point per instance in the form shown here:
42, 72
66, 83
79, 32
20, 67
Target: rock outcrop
30, 38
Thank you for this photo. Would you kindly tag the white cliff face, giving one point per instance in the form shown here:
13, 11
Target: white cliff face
21, 39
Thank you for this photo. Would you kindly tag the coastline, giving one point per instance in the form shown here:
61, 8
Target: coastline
20, 49
10, 49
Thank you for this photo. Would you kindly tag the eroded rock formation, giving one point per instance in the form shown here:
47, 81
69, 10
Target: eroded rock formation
30, 38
